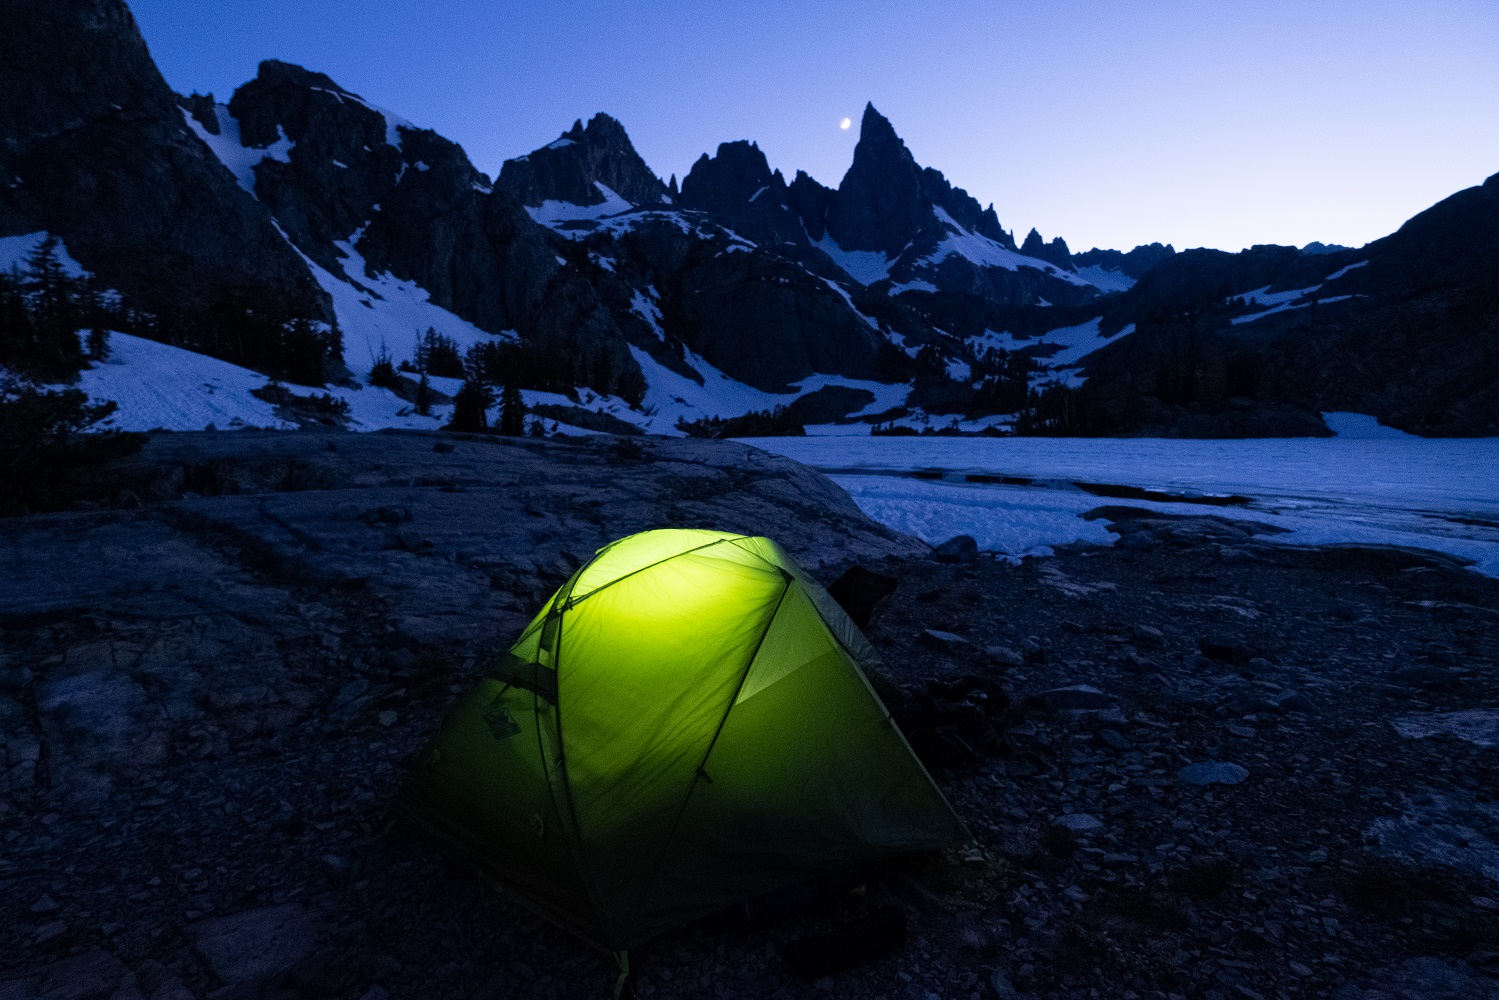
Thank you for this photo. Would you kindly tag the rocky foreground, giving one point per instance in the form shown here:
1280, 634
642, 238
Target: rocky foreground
1196, 764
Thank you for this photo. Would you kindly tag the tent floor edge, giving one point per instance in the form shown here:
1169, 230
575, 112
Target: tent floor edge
450, 848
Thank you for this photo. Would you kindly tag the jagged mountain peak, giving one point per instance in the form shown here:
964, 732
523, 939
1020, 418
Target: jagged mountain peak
738, 184
95, 148
879, 206
876, 129
287, 100
1056, 252
274, 72
579, 164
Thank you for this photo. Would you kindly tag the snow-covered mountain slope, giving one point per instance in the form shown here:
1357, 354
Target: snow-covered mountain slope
257, 226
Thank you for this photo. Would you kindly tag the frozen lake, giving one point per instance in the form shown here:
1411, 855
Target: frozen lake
1422, 493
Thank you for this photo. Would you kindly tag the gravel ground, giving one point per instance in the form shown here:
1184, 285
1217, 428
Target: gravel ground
1195, 764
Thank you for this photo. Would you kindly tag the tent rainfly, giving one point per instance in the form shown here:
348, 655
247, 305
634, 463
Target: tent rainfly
683, 727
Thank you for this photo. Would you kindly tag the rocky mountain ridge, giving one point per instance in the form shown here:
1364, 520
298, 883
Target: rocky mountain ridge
577, 269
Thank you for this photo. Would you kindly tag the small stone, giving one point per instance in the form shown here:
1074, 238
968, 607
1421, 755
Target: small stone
962, 548
1318, 857
1079, 822
1244, 731
348, 693
946, 641
1112, 718
1212, 772
1115, 740
388, 717
1300, 969
45, 905
1003, 656
1077, 698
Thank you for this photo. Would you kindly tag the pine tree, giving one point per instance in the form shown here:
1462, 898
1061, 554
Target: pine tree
512, 411
98, 343
383, 372
54, 309
98, 334
471, 406
424, 397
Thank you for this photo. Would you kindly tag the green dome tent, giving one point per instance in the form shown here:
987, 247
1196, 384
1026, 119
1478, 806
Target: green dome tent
684, 726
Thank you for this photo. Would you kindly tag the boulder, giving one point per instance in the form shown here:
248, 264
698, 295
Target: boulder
961, 548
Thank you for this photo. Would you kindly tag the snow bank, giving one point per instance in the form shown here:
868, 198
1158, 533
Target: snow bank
553, 213
1105, 280
672, 397
864, 266
1436, 494
158, 386
1360, 425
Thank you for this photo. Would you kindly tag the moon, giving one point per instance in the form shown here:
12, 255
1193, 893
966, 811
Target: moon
846, 124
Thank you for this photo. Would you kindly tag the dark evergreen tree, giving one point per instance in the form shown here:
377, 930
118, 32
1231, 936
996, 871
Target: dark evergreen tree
424, 397
512, 411
52, 298
471, 406
438, 355
383, 372
45, 455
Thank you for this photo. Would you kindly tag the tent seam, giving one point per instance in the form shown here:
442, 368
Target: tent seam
574, 602
699, 772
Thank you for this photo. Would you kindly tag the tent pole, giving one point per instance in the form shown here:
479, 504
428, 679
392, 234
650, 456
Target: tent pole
622, 984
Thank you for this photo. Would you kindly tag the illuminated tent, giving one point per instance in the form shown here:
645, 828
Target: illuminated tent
684, 726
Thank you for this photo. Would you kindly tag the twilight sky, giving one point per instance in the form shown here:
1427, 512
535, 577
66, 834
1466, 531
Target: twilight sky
1217, 123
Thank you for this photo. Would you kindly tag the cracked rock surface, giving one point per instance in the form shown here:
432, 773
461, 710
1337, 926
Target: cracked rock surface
209, 691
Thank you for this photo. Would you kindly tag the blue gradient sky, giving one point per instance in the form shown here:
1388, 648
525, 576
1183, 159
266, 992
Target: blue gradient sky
1217, 123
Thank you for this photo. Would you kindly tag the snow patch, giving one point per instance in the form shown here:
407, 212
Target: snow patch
1262, 296
874, 324
241, 160
647, 310
1106, 280
671, 397
1344, 270
864, 266
553, 213
388, 313
983, 251
158, 386
1361, 426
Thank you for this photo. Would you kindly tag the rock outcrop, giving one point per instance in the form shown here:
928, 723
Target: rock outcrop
1273, 326
572, 168
94, 148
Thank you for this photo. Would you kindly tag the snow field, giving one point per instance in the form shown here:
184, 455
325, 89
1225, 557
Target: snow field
1435, 494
